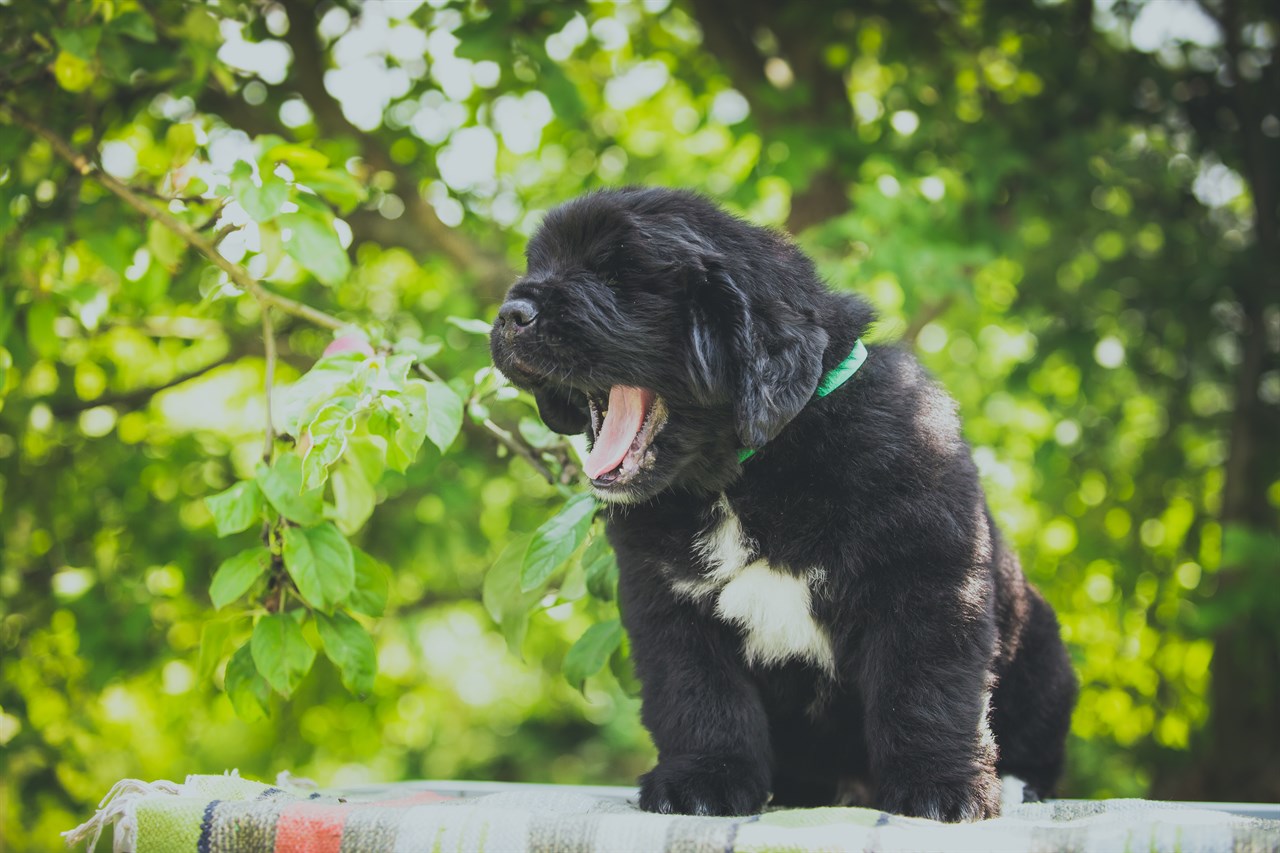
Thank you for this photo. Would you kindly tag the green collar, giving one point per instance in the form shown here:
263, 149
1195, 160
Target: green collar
831, 380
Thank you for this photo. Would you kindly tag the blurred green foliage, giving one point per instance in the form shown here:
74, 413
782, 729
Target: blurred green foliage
1071, 219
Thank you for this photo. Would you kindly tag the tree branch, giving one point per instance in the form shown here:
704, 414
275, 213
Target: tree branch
131, 399
241, 277
269, 353
235, 272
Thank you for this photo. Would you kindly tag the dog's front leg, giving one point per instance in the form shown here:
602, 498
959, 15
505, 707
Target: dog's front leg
699, 704
926, 689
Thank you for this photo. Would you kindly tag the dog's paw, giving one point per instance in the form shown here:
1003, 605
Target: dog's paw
975, 799
704, 785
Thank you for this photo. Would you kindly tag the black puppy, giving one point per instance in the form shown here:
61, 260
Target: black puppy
835, 614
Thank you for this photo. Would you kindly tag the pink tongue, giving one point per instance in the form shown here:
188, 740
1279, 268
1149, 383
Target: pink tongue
625, 416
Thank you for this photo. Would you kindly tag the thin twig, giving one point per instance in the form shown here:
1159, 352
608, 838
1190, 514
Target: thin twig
224, 232
524, 451
269, 351
235, 272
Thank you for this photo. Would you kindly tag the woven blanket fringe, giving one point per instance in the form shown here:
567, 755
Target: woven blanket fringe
120, 807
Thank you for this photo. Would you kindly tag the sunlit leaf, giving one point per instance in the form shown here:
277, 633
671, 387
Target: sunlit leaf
354, 498
506, 602
237, 574
314, 244
350, 647
555, 541
237, 508
601, 567
281, 483
213, 643
372, 582
321, 563
248, 691
180, 139
467, 324
444, 414
264, 202
280, 652
300, 157
40, 328
591, 652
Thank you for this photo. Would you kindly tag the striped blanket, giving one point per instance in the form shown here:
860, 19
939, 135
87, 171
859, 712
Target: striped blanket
211, 814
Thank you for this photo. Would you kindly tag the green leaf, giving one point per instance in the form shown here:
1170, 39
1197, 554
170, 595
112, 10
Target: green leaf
180, 139
573, 586
237, 508
369, 455
135, 25
280, 652
314, 244
591, 652
271, 246
506, 602
300, 157
601, 567
81, 42
282, 486
72, 73
342, 374
369, 596
420, 350
262, 203
556, 540
336, 187
329, 431
467, 324
350, 647
248, 691
40, 329
167, 247
320, 561
444, 415
213, 641
201, 27
353, 497
237, 574
382, 425
412, 429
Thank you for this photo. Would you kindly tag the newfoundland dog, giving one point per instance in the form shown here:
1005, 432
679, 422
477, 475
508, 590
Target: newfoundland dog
821, 609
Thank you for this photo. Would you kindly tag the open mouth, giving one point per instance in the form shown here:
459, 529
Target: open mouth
623, 428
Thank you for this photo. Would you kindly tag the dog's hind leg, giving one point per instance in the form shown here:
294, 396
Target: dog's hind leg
1031, 707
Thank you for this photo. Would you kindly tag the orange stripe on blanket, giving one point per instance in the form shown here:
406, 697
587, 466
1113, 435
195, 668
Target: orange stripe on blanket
312, 827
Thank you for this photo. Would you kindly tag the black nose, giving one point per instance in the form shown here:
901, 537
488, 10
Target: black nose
519, 313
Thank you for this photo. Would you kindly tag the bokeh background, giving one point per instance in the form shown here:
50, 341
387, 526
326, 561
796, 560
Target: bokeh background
1068, 209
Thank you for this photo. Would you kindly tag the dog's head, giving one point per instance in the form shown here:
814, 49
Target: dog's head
671, 332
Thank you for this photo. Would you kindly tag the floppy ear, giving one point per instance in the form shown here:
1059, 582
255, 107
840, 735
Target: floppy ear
767, 358
564, 412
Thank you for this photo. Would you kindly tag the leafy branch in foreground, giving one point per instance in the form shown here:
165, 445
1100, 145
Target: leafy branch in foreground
354, 414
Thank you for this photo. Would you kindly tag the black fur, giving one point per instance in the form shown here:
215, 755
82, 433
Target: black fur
869, 494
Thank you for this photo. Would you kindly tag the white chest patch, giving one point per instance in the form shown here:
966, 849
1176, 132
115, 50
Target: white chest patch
771, 607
